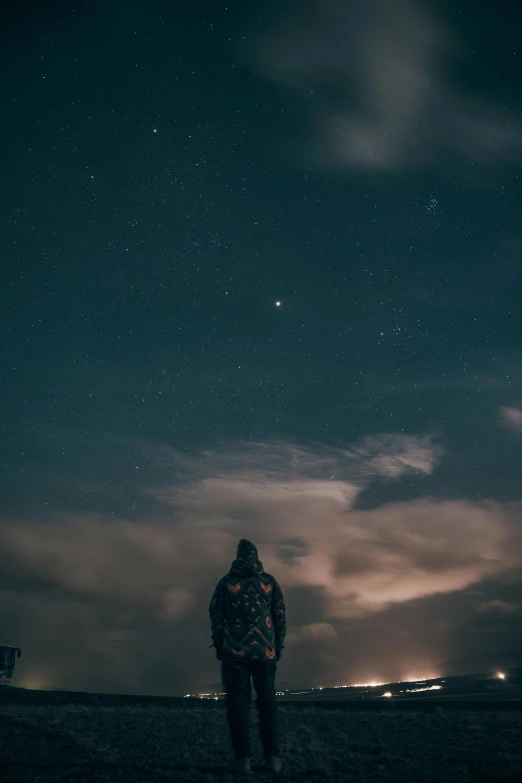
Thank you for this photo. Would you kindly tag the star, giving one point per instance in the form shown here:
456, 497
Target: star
278, 304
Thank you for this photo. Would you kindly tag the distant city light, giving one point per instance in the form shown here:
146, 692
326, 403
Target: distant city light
373, 684
501, 676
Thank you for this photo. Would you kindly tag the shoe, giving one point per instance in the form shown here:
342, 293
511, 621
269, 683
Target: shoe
241, 766
274, 764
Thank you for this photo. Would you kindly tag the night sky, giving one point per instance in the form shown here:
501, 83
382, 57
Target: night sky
171, 172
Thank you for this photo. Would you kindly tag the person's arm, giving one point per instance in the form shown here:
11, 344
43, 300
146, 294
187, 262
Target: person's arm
279, 618
217, 617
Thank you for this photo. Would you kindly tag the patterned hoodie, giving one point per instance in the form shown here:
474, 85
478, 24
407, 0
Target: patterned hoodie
247, 610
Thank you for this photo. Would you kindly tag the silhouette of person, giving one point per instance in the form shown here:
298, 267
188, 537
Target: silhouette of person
248, 628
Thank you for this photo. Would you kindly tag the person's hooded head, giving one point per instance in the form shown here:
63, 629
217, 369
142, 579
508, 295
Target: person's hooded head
247, 561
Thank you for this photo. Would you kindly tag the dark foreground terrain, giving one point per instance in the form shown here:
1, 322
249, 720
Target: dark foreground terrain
48, 738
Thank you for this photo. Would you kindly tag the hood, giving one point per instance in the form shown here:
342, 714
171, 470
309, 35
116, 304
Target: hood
247, 561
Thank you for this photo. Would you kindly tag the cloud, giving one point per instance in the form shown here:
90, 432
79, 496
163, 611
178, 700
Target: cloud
499, 608
382, 454
123, 594
374, 78
390, 456
363, 560
312, 632
98, 559
512, 418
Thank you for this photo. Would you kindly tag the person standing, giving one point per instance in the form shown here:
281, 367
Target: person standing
248, 628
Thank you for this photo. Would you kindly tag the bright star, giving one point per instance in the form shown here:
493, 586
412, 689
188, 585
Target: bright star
278, 304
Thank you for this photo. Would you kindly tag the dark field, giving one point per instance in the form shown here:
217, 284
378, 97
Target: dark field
53, 739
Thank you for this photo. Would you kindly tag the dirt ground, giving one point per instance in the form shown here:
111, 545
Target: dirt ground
145, 742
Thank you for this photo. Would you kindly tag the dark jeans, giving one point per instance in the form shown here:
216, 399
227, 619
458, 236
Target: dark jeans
236, 683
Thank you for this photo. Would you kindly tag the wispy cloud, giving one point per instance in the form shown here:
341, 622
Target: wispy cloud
512, 418
498, 607
383, 454
375, 79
